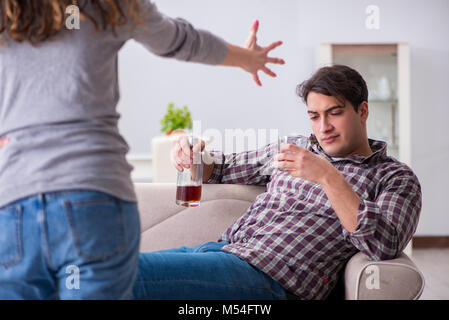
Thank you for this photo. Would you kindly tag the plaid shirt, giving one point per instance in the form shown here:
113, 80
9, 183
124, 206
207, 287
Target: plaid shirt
292, 233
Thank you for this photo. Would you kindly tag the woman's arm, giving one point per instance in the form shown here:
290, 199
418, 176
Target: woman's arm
178, 39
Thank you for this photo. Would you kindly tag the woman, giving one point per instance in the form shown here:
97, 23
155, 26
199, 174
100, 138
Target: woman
69, 224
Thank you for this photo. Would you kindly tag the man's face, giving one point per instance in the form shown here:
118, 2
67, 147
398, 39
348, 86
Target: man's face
340, 130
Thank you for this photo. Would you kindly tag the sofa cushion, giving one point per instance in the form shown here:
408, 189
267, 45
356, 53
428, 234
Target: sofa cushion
166, 225
187, 228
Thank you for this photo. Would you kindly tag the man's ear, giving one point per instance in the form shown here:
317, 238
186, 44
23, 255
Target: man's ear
363, 111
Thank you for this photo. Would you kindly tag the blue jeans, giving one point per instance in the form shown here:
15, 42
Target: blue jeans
202, 272
76, 244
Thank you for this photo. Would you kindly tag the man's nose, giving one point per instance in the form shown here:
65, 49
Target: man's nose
325, 125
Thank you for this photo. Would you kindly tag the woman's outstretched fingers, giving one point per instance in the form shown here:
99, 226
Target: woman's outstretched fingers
275, 60
269, 72
273, 46
254, 28
252, 38
257, 80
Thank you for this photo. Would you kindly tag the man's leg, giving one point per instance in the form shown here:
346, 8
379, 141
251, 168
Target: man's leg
203, 272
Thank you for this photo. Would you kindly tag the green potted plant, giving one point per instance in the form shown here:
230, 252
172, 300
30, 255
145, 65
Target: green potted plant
176, 120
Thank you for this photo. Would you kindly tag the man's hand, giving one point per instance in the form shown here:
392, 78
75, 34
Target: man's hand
303, 163
310, 166
182, 155
253, 57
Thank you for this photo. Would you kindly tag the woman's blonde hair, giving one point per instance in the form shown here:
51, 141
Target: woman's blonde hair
38, 20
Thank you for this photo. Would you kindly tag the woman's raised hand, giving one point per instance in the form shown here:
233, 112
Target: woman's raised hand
252, 57
260, 55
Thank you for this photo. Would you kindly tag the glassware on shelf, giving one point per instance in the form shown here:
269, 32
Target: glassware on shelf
383, 89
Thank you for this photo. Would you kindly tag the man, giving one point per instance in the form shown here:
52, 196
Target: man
342, 195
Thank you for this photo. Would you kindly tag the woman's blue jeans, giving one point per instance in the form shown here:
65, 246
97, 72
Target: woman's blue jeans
76, 244
202, 272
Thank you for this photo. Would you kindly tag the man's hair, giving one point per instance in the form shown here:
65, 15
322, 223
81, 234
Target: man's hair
339, 81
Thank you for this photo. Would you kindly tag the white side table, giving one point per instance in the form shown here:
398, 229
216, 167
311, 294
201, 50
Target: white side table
163, 169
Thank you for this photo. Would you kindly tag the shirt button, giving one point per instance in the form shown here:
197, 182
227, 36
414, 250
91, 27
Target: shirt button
245, 240
301, 197
260, 224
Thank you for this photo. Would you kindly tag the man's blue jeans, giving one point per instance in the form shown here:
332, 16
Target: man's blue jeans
202, 272
76, 244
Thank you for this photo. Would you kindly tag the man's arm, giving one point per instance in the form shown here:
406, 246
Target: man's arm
249, 167
387, 223
209, 165
380, 228
342, 197
315, 168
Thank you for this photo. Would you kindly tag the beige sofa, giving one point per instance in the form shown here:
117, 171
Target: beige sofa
166, 225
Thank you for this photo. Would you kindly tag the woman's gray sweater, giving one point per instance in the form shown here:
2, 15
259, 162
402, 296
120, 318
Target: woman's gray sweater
58, 104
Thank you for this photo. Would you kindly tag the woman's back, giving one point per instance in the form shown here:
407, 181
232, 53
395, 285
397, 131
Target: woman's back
58, 104
58, 107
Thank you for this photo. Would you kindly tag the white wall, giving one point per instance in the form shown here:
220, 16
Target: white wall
220, 97
226, 98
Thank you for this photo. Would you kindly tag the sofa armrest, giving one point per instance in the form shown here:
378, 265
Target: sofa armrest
396, 279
